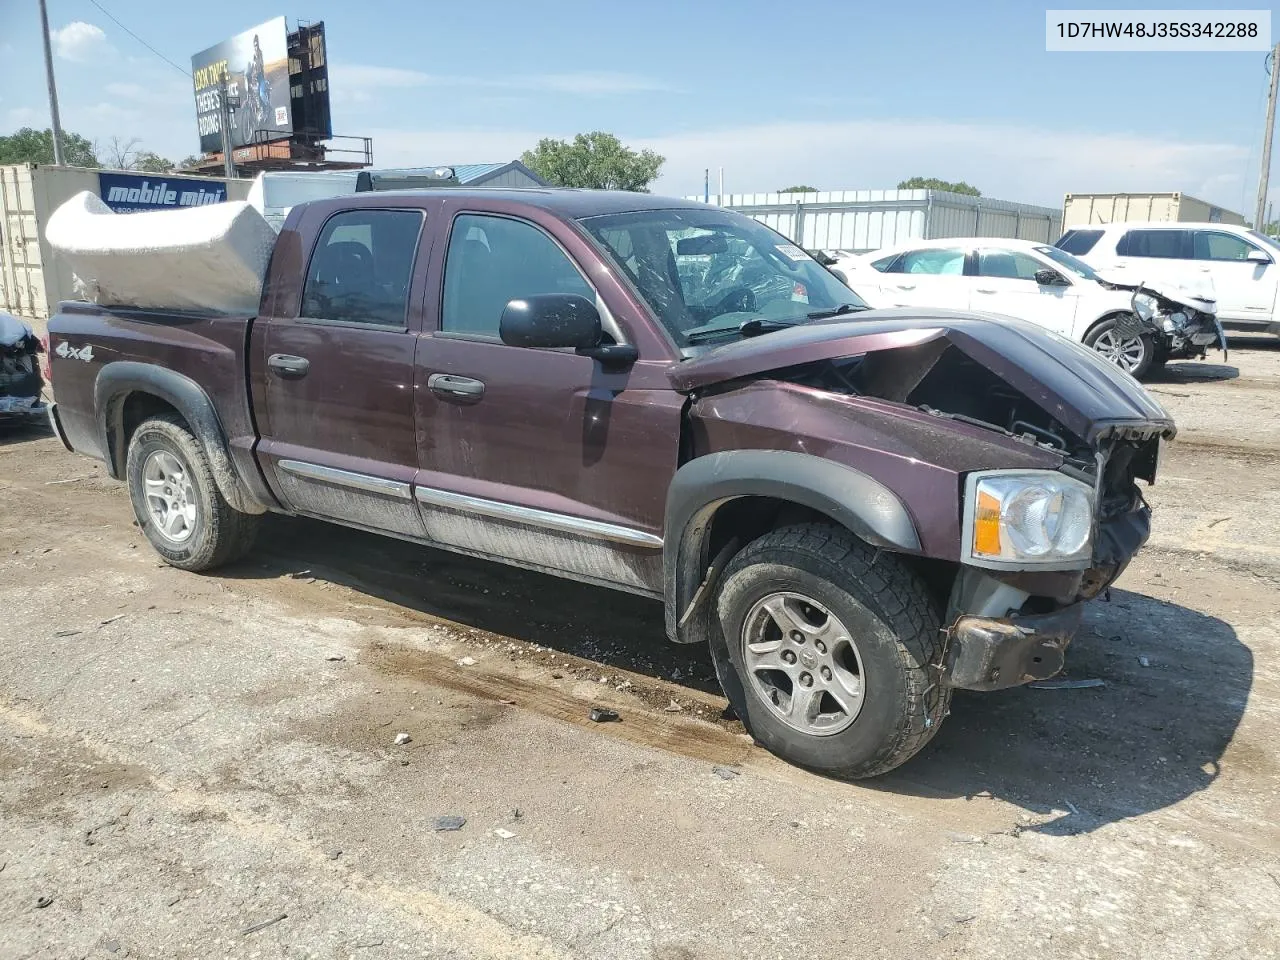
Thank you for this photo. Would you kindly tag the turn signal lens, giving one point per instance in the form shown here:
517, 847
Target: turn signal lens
986, 526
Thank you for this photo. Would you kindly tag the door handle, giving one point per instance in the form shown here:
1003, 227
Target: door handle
447, 385
984, 290
289, 367
906, 286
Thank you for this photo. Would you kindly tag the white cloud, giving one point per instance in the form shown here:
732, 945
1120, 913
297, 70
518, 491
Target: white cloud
1026, 164
592, 84
17, 117
80, 41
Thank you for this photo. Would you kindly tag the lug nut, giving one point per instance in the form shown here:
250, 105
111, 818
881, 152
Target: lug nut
806, 680
826, 673
797, 636
822, 647
788, 656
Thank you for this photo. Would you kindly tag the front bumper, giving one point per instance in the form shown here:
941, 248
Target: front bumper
987, 653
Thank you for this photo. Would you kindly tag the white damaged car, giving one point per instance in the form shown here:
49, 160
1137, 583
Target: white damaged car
1136, 325
20, 379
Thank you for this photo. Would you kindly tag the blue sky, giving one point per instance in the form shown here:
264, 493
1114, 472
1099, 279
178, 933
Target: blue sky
839, 95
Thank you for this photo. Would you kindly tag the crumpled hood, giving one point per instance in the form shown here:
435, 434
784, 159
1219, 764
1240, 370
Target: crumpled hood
1195, 290
12, 330
1071, 383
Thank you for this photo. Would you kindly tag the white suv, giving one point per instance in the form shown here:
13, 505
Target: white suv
1240, 262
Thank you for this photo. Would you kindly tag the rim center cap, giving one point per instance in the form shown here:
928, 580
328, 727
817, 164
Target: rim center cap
809, 659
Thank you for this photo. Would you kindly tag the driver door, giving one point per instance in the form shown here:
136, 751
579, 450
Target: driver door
539, 457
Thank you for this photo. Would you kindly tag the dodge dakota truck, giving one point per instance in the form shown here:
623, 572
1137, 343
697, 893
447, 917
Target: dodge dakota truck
857, 511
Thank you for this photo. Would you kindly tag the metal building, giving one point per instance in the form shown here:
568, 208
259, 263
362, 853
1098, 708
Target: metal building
862, 220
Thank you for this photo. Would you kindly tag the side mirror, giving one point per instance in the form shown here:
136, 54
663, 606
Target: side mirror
1050, 278
551, 320
1257, 256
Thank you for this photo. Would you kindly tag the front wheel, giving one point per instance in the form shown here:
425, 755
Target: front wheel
830, 653
177, 501
1132, 352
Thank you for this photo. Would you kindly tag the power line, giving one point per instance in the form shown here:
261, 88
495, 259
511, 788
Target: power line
112, 18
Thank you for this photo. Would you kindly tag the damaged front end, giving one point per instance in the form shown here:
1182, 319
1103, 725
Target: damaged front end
1016, 452
20, 381
1182, 322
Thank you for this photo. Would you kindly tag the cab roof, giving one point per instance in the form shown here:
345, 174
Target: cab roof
566, 202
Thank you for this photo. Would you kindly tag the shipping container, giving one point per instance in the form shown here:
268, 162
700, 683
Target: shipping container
32, 279
858, 221
1082, 209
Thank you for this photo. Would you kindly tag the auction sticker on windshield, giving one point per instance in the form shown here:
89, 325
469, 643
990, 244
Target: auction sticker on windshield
792, 251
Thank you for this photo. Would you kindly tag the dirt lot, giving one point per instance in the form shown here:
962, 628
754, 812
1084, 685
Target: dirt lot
204, 766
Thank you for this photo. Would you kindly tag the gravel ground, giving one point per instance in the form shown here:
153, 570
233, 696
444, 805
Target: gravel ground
206, 766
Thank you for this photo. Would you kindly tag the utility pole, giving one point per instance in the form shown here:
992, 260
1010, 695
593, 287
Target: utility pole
224, 121
53, 89
1264, 175
706, 185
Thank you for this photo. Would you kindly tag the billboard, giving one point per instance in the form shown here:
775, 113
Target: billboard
132, 192
256, 67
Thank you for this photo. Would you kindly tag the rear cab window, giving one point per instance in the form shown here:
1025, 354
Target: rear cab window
362, 267
1079, 242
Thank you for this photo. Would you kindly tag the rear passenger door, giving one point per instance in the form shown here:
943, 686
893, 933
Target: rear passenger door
932, 277
1151, 253
333, 369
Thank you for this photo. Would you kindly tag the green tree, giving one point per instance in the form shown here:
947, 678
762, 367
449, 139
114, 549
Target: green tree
933, 183
801, 189
36, 146
149, 162
596, 161
186, 163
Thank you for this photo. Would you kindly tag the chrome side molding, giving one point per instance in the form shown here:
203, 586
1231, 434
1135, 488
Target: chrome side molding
538, 518
345, 478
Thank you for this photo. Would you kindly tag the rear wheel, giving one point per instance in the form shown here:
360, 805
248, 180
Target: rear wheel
829, 652
177, 501
1131, 352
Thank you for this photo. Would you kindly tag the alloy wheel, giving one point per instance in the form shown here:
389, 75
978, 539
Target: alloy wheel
170, 496
1127, 353
802, 663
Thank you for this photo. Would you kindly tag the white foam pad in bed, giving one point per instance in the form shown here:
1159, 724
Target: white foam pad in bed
208, 259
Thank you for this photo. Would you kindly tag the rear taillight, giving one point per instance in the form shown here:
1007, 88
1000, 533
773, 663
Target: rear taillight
44, 359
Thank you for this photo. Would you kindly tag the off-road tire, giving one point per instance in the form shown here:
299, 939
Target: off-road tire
1107, 325
904, 700
221, 533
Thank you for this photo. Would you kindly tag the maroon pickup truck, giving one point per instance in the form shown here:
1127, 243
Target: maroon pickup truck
857, 511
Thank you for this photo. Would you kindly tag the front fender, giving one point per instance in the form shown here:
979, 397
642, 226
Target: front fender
863, 505
116, 381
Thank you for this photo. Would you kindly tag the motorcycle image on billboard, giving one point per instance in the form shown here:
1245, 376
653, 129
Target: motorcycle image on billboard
256, 67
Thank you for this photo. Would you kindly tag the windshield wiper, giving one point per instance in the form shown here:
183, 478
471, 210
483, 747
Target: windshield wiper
843, 308
747, 328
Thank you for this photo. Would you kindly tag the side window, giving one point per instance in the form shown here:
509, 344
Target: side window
1166, 244
1079, 242
362, 266
949, 262
1008, 264
887, 265
493, 260
1211, 245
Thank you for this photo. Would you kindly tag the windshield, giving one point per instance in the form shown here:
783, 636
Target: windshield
1070, 261
705, 273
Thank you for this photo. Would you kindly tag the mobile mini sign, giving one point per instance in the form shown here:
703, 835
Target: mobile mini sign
131, 192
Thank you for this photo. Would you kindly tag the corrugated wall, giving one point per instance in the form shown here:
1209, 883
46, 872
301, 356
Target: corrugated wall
862, 220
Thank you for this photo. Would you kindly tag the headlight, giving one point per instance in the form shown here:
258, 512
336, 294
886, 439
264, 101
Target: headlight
1145, 305
1019, 518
